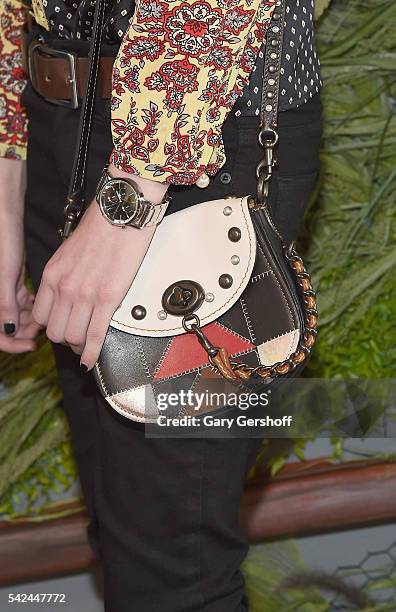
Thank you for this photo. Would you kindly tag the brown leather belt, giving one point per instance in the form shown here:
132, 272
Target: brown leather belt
60, 76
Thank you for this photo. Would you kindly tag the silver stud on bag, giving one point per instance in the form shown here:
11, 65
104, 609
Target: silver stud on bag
235, 260
227, 211
161, 314
209, 297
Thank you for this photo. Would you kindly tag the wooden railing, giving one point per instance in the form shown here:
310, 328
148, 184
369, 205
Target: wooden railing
303, 498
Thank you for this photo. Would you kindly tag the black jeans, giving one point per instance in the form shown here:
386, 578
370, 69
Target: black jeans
164, 511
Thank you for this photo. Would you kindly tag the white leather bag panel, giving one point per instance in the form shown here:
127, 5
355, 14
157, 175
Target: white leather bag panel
192, 244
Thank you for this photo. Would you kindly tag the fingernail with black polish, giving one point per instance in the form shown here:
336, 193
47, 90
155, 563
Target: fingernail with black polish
9, 328
84, 367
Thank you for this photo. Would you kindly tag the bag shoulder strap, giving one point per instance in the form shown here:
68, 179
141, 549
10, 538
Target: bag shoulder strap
268, 135
272, 67
76, 195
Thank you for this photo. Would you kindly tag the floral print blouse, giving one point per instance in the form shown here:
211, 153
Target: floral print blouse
13, 135
180, 68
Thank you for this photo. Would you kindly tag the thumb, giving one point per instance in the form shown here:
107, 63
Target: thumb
9, 310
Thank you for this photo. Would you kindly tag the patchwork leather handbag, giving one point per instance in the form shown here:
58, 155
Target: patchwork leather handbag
241, 310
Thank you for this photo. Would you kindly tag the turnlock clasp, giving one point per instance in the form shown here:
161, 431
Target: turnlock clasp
183, 298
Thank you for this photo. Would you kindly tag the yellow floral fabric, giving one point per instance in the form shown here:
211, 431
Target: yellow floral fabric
39, 14
12, 81
179, 70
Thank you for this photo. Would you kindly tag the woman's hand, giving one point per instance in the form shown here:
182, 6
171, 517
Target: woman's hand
87, 278
17, 327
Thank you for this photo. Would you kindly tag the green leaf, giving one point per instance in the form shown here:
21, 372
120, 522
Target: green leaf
320, 7
335, 300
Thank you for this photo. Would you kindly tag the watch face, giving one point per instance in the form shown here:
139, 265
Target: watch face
119, 202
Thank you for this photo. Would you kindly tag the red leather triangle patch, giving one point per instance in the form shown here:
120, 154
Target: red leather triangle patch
185, 352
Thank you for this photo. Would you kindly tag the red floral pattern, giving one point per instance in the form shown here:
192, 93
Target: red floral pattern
12, 81
193, 28
180, 68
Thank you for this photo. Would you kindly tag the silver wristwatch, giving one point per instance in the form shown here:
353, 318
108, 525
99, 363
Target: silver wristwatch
122, 203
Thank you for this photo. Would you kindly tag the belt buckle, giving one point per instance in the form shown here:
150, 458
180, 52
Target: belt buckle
71, 58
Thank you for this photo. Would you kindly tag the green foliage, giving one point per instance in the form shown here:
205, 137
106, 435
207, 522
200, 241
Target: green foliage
350, 233
266, 566
320, 7
36, 459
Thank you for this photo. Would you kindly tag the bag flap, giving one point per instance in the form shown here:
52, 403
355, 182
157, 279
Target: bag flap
212, 244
